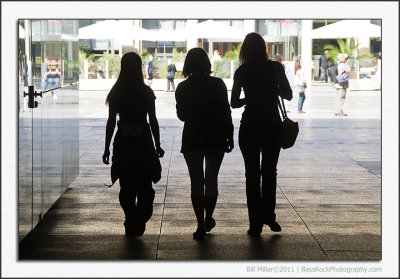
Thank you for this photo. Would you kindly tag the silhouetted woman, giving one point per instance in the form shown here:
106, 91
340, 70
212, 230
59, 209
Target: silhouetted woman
259, 129
202, 103
132, 101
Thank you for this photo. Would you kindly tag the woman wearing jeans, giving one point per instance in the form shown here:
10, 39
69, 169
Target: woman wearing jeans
202, 103
260, 128
300, 84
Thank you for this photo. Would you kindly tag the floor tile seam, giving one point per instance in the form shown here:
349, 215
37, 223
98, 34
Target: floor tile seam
352, 159
165, 198
345, 250
319, 244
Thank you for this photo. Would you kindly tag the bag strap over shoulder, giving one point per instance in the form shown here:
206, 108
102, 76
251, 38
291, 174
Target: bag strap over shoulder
283, 110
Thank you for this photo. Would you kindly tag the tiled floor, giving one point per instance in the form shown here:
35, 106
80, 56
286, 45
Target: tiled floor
328, 198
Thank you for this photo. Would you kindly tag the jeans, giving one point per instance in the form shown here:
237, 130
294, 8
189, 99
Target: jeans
324, 74
340, 99
261, 196
302, 98
53, 81
170, 80
204, 182
136, 195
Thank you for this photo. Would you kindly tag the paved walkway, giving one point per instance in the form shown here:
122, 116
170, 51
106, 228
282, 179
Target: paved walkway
328, 198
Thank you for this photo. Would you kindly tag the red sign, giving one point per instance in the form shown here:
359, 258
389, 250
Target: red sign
287, 21
56, 21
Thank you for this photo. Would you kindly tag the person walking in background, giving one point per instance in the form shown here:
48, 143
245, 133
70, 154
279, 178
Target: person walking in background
171, 70
51, 75
133, 147
202, 103
341, 90
260, 127
324, 66
301, 84
100, 73
149, 71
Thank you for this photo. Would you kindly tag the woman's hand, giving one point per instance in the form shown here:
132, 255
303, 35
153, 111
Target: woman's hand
106, 157
159, 151
230, 145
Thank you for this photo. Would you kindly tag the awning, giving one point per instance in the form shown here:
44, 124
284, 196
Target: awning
347, 29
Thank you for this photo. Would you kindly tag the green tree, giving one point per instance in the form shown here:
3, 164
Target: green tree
114, 64
82, 57
233, 54
176, 55
349, 47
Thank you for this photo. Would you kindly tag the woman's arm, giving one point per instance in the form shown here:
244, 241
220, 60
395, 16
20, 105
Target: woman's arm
285, 91
180, 107
112, 118
227, 115
236, 102
155, 129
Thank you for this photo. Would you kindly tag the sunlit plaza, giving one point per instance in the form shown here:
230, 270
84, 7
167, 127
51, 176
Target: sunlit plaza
330, 184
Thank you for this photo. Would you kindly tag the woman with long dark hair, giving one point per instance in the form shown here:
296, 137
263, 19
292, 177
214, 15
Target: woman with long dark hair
133, 147
202, 103
260, 127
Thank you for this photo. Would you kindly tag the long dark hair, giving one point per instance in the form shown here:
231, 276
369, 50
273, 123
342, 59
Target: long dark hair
253, 49
196, 61
130, 81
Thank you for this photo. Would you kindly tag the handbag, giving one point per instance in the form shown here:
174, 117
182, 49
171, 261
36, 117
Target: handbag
343, 80
289, 129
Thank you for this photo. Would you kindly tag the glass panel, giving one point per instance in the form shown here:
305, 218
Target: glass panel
24, 135
36, 56
49, 133
70, 102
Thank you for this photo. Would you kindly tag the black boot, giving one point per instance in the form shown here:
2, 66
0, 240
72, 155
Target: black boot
210, 202
198, 206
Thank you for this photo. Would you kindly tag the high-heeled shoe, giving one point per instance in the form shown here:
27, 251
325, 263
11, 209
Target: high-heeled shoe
209, 223
199, 234
274, 226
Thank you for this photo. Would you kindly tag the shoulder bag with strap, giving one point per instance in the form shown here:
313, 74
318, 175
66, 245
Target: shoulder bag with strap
289, 129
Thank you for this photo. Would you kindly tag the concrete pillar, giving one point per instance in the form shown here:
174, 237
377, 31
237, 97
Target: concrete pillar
136, 42
364, 45
191, 42
306, 49
249, 26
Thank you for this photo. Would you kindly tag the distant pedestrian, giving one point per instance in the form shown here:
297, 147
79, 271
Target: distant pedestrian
100, 73
134, 150
149, 71
202, 103
260, 128
171, 70
341, 90
324, 66
301, 84
216, 56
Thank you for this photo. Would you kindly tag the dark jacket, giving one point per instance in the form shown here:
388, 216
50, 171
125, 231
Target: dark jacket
323, 62
202, 103
260, 86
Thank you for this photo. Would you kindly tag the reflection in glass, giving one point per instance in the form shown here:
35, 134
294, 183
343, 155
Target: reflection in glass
48, 58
